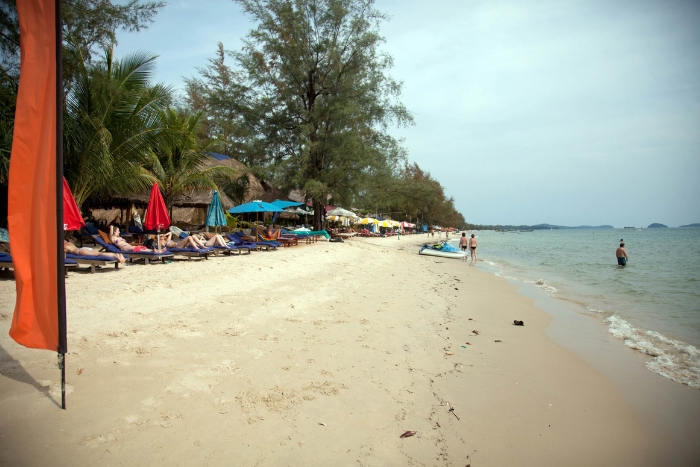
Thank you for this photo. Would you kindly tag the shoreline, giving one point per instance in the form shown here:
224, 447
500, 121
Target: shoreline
319, 354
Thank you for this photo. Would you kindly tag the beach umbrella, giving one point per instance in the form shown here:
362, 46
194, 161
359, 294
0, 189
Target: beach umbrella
72, 220
368, 220
157, 217
340, 212
280, 203
215, 214
256, 207
383, 223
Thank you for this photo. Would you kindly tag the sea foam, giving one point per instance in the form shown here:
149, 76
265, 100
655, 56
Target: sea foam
671, 358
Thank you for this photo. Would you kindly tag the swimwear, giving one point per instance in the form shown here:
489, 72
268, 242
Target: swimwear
621, 261
473, 248
84, 248
464, 247
139, 248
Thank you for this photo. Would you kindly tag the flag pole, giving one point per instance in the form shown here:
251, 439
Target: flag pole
60, 264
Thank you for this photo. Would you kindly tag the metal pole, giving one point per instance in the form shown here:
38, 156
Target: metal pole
60, 266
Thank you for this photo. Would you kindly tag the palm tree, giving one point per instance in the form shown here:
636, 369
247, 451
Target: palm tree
178, 161
112, 120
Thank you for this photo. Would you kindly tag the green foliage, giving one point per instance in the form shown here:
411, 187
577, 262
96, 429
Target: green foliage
112, 120
319, 90
178, 161
219, 94
232, 221
235, 188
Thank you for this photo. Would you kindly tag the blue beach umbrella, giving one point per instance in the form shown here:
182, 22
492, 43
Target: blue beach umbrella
215, 214
256, 207
280, 203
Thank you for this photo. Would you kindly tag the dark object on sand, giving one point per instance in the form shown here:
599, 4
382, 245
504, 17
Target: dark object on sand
407, 434
452, 409
475, 332
498, 340
518, 323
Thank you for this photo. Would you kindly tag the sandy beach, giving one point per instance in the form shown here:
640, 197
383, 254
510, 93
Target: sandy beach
320, 354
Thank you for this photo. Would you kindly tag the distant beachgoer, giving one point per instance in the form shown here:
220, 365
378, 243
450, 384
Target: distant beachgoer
472, 247
463, 244
123, 245
621, 254
188, 242
69, 247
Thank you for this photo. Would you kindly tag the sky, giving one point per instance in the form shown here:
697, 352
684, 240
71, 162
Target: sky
565, 112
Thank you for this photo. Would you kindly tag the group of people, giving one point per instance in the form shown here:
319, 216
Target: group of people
166, 241
468, 244
199, 241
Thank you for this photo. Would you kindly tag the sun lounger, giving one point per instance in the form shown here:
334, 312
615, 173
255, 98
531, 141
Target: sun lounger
238, 241
190, 253
240, 244
276, 235
6, 263
270, 241
230, 248
147, 256
93, 261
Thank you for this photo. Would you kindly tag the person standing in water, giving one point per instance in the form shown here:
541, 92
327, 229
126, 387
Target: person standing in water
621, 254
472, 247
463, 245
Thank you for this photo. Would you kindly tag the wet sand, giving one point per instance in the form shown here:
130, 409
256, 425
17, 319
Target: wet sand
320, 354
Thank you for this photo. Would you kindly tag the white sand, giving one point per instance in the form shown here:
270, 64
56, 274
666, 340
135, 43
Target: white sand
319, 354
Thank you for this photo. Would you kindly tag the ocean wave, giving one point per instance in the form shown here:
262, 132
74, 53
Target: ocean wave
671, 358
541, 283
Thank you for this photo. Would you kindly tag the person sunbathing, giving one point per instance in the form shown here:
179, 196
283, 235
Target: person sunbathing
123, 245
211, 240
187, 242
69, 247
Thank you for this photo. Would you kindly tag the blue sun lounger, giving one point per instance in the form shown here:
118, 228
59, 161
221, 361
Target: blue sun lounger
6, 263
147, 256
93, 261
241, 244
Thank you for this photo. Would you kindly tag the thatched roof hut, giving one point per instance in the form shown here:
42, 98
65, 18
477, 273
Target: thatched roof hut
189, 208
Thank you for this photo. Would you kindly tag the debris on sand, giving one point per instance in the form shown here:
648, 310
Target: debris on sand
407, 434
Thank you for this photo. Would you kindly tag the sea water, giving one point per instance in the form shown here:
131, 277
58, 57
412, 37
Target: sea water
652, 304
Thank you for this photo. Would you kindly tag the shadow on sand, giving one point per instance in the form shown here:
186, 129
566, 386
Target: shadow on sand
12, 369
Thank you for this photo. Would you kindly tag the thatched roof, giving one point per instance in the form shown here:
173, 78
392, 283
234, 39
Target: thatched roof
201, 198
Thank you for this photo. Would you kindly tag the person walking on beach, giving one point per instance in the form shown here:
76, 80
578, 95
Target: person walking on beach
472, 247
463, 245
621, 254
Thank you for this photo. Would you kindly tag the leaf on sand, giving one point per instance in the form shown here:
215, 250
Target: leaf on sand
407, 434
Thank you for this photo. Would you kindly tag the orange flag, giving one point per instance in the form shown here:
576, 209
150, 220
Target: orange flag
32, 206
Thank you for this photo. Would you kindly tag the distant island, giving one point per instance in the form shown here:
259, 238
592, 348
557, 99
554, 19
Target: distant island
657, 226
696, 225
550, 226
532, 227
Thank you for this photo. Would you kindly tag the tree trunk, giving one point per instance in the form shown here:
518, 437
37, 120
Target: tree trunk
319, 211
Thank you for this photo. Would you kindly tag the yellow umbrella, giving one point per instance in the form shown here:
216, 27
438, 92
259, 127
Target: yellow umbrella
368, 220
384, 223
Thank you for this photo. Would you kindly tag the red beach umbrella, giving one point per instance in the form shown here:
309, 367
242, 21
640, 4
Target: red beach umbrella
72, 220
157, 217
